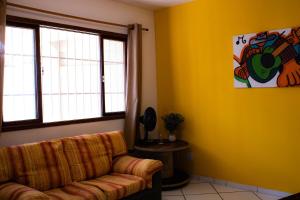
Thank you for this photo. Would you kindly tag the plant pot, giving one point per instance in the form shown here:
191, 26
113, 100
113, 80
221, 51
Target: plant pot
172, 137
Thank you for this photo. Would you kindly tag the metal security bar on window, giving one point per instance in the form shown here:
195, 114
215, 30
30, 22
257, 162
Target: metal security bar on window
70, 75
19, 95
114, 75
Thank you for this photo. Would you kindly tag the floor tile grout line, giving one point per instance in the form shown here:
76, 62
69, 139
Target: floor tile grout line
228, 184
180, 189
216, 191
182, 193
220, 196
213, 187
198, 194
238, 191
185, 196
241, 192
257, 196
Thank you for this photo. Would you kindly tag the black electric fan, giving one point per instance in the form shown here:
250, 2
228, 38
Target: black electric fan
149, 121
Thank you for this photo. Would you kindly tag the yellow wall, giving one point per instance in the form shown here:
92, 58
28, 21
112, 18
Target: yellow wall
250, 136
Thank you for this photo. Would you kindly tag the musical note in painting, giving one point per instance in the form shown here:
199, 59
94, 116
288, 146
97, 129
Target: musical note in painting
283, 32
242, 39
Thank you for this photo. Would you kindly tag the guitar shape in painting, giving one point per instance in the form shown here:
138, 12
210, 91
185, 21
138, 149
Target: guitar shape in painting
264, 66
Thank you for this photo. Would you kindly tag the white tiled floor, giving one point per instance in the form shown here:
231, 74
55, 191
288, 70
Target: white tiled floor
208, 191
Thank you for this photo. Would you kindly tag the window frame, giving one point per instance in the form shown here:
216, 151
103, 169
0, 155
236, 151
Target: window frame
38, 122
109, 37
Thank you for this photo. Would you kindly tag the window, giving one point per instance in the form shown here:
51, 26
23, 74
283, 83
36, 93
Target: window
19, 93
70, 75
114, 73
58, 74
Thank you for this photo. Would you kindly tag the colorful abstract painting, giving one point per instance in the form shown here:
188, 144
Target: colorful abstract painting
267, 59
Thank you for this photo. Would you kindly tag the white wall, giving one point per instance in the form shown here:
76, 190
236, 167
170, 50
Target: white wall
105, 10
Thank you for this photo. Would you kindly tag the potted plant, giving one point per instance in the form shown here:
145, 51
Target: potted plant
172, 121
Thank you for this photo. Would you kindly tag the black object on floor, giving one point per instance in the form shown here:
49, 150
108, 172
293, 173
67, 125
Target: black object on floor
293, 197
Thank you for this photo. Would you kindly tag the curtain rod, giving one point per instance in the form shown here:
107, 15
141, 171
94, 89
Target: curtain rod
68, 16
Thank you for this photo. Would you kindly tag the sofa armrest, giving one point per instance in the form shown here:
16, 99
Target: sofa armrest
144, 168
17, 191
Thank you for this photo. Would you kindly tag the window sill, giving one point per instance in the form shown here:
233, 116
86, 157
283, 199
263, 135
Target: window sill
7, 128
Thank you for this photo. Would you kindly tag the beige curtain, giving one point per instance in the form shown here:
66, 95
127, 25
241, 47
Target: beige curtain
2, 39
133, 84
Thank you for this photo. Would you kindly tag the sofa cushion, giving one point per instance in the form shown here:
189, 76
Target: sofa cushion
38, 165
88, 156
144, 168
117, 186
15, 191
76, 191
116, 142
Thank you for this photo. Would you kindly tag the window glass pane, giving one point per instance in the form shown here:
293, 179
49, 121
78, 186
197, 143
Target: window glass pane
19, 101
70, 75
114, 73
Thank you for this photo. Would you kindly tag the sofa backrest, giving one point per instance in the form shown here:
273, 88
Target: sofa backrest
90, 156
116, 141
6, 166
40, 165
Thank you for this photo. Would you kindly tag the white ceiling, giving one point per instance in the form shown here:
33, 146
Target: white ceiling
153, 4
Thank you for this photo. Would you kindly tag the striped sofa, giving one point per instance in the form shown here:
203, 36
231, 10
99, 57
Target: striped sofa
85, 167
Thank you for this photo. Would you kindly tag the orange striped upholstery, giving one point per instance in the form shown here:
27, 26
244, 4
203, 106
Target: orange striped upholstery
76, 191
144, 168
41, 166
6, 169
117, 186
15, 191
88, 156
116, 142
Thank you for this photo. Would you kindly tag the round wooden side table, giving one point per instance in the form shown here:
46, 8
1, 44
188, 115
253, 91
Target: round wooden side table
171, 177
